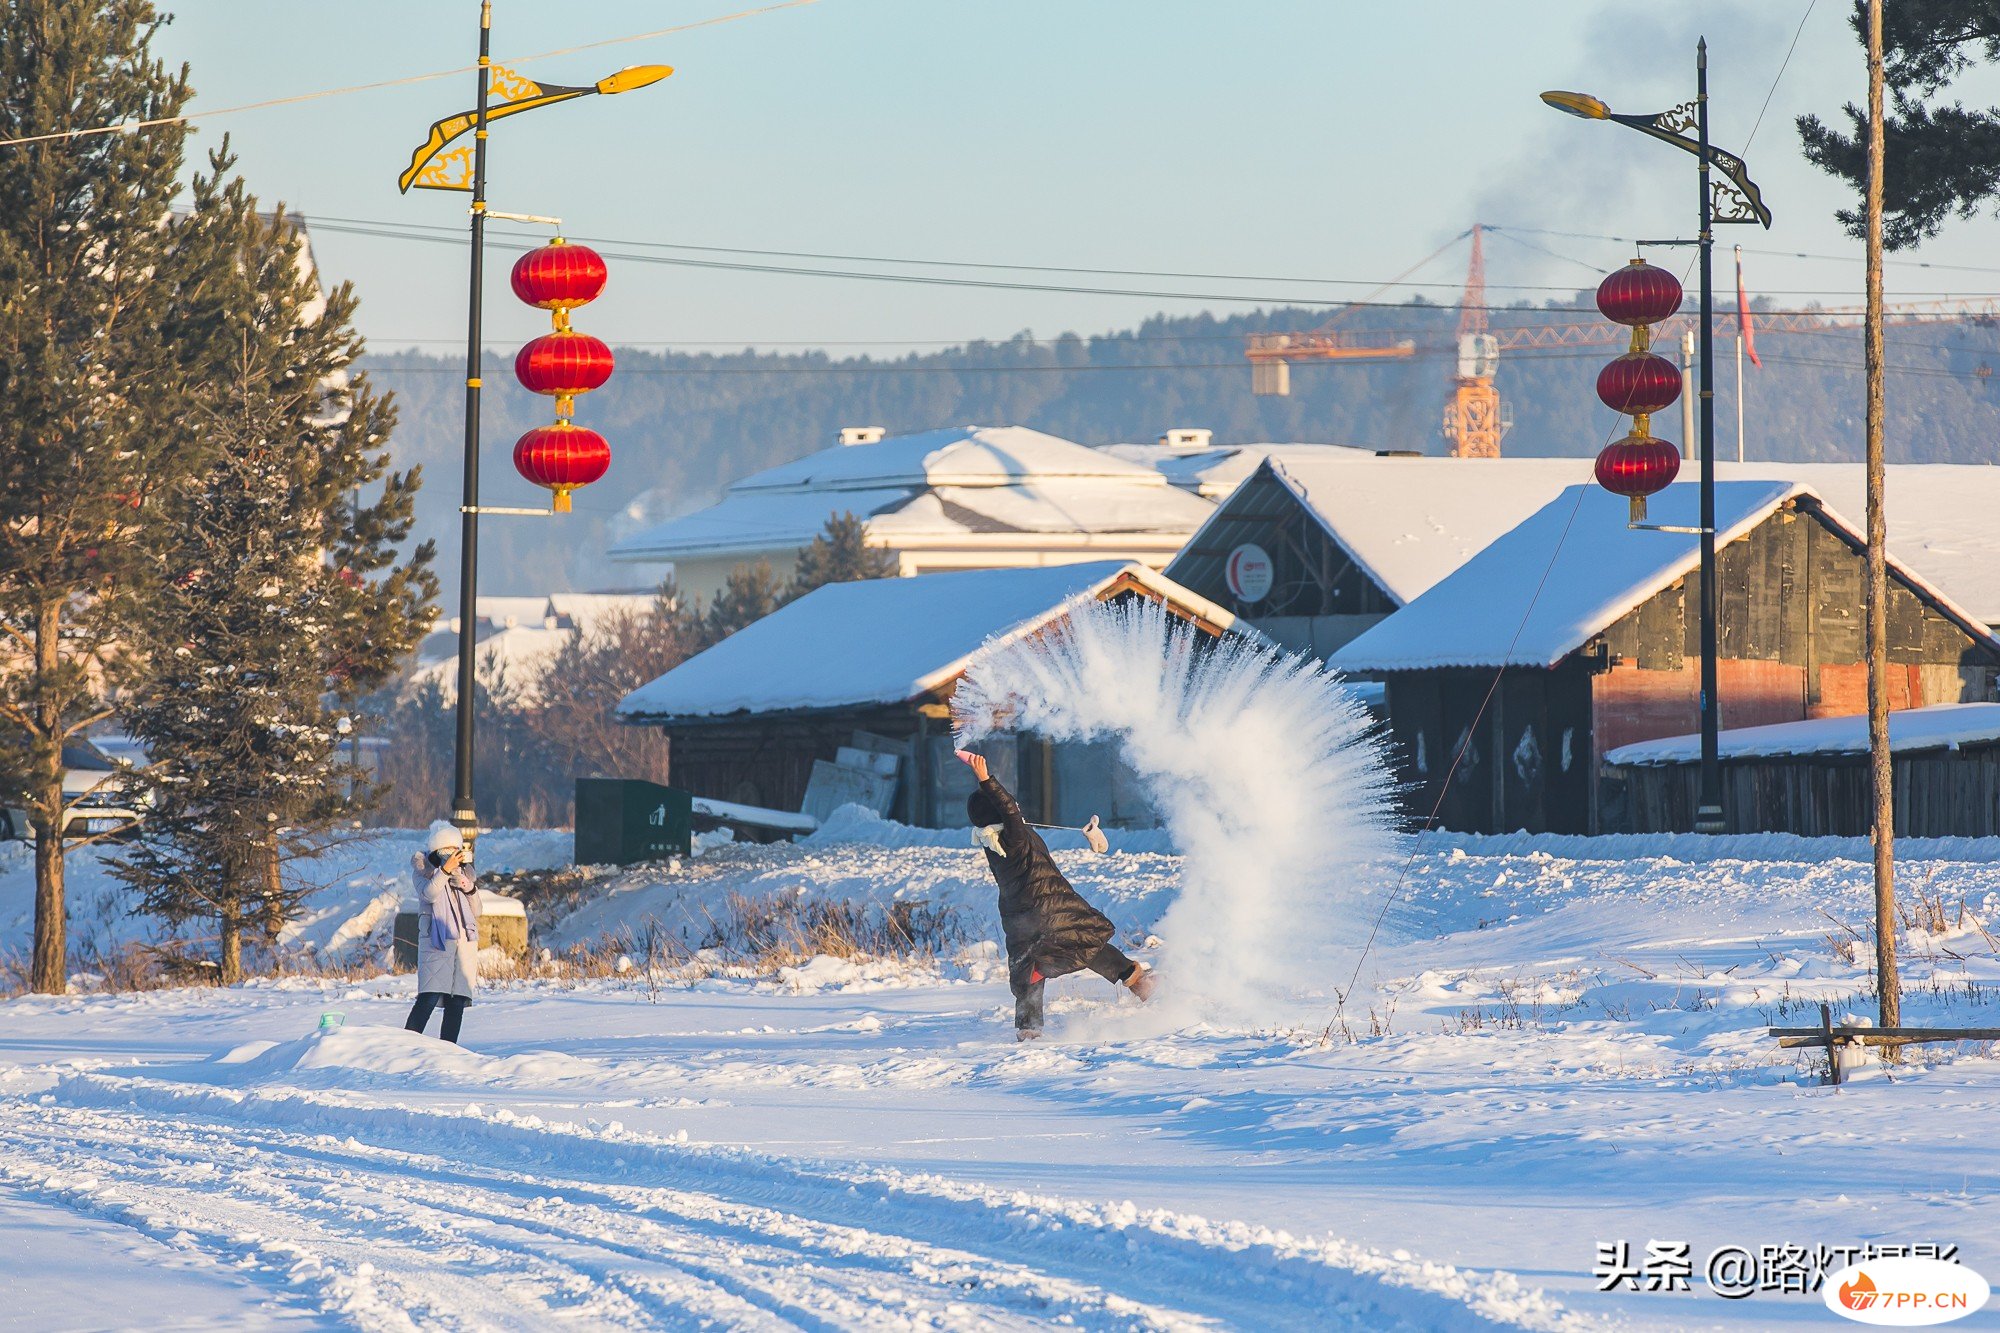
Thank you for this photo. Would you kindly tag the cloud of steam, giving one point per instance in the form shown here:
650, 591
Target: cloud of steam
1263, 768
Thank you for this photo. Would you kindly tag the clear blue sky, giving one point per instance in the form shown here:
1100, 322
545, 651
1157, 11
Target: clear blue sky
1292, 138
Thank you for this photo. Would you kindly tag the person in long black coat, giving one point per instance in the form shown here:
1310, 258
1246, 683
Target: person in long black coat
1051, 931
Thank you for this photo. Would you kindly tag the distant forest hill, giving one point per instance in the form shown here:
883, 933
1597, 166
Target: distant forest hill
682, 426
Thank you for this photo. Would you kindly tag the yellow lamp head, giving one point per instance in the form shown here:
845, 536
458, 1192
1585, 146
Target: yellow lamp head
635, 76
1578, 104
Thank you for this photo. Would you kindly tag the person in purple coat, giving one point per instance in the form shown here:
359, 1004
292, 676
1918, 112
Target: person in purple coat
447, 933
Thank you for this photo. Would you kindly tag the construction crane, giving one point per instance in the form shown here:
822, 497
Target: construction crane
1476, 419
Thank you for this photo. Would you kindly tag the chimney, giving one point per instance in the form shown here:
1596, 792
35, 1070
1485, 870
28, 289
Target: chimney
1187, 438
861, 434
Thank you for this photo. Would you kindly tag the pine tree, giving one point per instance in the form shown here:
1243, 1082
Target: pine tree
841, 554
282, 604
103, 321
1943, 159
751, 593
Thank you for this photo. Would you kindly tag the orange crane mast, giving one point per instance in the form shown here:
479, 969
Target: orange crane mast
1475, 420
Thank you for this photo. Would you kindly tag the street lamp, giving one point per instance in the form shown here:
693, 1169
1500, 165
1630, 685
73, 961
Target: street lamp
1733, 198
436, 165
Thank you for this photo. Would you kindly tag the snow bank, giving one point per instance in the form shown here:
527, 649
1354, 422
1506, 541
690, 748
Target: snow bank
363, 1055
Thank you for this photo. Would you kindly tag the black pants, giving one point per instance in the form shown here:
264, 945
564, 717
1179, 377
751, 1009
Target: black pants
454, 1013
1107, 962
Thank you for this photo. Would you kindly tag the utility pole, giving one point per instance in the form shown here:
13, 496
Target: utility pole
1883, 822
1708, 809
463, 813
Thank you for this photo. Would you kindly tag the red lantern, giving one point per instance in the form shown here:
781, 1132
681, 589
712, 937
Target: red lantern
1639, 384
562, 457
1636, 467
1639, 294
559, 276
563, 364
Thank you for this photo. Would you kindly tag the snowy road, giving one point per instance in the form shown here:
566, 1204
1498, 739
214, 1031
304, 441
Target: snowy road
441, 1219
1570, 1053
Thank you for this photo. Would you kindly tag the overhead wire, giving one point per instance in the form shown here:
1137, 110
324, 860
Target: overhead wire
512, 242
134, 126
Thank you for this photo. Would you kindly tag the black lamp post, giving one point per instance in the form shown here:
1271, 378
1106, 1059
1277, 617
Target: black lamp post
1733, 198
432, 167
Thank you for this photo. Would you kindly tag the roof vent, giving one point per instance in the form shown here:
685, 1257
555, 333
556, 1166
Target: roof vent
1187, 438
862, 434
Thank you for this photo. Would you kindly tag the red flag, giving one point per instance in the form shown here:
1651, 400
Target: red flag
1743, 314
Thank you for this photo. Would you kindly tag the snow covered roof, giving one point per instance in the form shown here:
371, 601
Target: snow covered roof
1406, 522
1411, 521
508, 661
1938, 727
507, 612
1215, 471
587, 611
1566, 574
937, 485
883, 641
954, 456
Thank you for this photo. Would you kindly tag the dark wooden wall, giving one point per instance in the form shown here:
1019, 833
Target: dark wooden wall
1527, 763
1938, 794
767, 761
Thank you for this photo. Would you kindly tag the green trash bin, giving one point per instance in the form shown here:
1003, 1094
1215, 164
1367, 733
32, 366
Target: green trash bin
623, 820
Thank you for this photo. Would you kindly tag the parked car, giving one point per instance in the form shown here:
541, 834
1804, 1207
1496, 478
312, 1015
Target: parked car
102, 795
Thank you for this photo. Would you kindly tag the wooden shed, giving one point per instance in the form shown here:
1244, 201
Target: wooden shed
1575, 634
1812, 777
873, 665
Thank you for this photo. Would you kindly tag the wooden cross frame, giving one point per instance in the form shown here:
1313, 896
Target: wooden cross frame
1833, 1038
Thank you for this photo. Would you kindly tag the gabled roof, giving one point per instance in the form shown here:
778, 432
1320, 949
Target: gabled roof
1405, 522
1944, 518
885, 641
1215, 471
1568, 572
1411, 521
954, 456
1938, 727
936, 485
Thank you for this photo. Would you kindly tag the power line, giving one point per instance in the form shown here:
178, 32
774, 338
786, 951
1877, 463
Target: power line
134, 126
1754, 250
1777, 78
402, 232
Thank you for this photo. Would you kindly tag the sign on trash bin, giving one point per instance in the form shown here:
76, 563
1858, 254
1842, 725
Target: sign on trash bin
623, 820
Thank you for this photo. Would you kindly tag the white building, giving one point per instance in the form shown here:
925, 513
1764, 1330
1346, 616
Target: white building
968, 497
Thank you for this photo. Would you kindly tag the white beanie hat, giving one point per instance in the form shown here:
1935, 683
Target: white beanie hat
444, 837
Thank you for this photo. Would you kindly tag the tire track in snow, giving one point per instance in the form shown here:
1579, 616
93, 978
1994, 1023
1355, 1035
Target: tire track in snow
407, 1228
798, 1243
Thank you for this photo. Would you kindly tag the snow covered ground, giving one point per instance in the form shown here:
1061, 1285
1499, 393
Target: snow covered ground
1564, 1050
